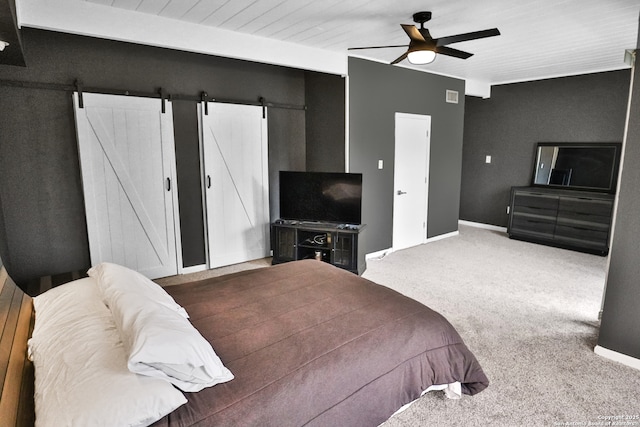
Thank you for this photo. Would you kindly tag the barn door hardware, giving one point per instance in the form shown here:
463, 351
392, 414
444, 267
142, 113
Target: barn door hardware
78, 85
264, 107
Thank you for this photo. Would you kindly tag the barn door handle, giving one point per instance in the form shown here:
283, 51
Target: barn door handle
400, 192
208, 181
168, 184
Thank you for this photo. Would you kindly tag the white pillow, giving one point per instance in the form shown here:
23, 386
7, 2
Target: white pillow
160, 343
81, 375
115, 276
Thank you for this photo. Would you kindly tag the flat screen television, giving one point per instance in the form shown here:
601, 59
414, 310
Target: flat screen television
321, 196
577, 166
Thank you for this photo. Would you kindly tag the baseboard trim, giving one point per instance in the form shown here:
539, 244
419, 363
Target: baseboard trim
378, 255
442, 236
617, 357
384, 252
482, 225
194, 269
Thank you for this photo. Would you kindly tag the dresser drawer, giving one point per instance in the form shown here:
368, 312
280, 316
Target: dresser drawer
579, 219
532, 225
581, 234
585, 239
536, 211
586, 206
535, 200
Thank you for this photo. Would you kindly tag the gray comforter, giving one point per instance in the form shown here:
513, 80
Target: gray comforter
310, 344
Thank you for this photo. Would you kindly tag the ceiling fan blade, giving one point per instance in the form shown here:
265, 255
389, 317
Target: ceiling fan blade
443, 50
400, 58
467, 36
413, 33
377, 47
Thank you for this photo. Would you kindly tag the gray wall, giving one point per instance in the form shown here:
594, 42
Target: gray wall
44, 227
185, 129
289, 156
323, 131
325, 126
507, 126
44, 221
376, 92
620, 325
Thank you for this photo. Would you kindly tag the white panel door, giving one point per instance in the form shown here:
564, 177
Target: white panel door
411, 179
236, 182
127, 161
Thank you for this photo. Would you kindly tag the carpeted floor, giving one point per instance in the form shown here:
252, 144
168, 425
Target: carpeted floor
530, 315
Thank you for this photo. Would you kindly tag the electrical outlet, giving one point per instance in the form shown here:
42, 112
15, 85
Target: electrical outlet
380, 164
487, 159
508, 209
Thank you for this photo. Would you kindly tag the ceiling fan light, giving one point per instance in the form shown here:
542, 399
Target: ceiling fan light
421, 57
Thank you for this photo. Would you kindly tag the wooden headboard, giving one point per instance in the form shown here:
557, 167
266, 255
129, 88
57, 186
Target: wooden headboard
16, 371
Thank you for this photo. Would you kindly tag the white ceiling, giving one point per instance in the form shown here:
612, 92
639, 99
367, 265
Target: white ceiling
540, 39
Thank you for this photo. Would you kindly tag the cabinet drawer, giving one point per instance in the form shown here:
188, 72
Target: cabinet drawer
524, 224
536, 217
536, 211
586, 206
582, 235
535, 200
578, 219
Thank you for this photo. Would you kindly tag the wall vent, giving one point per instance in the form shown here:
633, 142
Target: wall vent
452, 96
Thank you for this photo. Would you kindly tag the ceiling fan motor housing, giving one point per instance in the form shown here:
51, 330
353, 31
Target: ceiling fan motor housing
421, 17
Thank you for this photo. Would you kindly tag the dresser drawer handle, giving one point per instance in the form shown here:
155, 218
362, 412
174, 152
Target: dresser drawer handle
536, 222
583, 228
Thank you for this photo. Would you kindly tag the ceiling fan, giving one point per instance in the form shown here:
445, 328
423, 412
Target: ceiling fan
422, 48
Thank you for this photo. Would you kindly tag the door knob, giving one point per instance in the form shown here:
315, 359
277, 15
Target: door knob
400, 193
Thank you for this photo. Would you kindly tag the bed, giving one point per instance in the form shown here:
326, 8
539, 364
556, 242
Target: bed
16, 373
311, 344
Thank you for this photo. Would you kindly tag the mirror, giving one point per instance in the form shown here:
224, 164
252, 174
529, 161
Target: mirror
580, 166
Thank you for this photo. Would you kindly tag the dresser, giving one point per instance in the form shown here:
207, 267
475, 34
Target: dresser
578, 220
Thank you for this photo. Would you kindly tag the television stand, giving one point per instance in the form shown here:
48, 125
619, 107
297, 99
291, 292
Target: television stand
336, 244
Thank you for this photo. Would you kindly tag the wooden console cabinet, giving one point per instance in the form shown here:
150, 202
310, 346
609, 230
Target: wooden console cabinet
333, 243
577, 220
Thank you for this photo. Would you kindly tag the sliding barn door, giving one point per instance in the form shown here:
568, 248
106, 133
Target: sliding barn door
127, 160
236, 182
